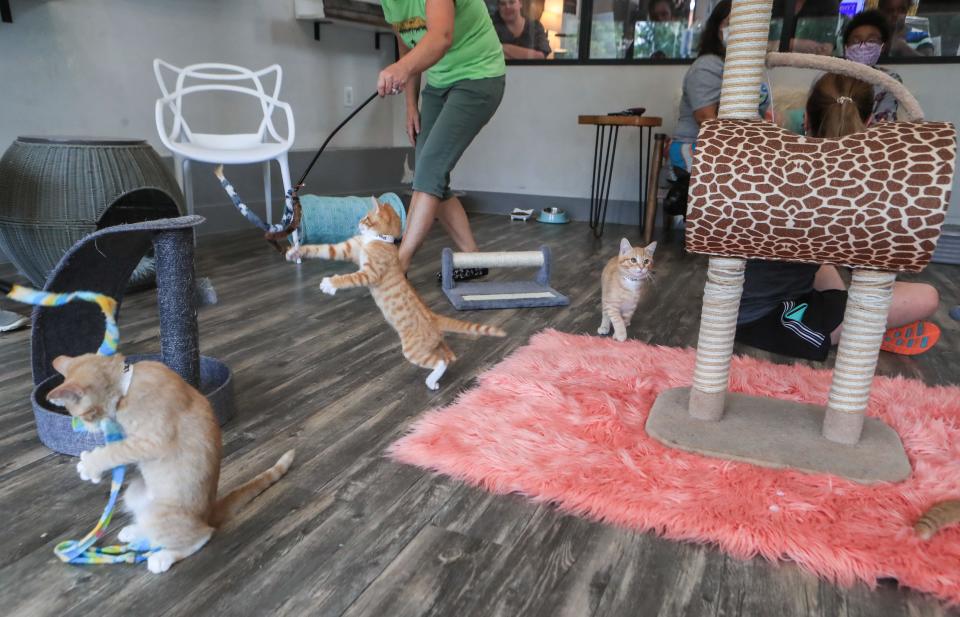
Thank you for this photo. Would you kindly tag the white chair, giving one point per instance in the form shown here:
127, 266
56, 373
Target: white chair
262, 145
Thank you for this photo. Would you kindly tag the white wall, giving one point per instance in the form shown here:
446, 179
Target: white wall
534, 146
84, 67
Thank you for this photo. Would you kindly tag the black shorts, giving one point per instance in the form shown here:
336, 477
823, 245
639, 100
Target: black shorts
799, 328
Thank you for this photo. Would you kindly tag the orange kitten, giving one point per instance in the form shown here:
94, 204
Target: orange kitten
171, 434
621, 284
420, 329
938, 516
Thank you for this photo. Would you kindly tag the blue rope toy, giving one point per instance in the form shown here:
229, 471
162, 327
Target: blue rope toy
84, 551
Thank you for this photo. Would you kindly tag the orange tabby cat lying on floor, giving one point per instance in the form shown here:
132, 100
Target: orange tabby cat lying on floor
420, 329
171, 434
621, 284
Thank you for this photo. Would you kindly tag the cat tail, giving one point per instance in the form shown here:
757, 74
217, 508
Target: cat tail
231, 503
448, 324
940, 515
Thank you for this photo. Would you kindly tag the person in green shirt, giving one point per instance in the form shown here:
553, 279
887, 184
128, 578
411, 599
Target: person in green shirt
455, 44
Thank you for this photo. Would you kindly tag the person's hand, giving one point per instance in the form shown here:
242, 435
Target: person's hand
413, 123
392, 80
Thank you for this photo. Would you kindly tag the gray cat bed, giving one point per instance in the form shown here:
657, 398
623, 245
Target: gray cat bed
103, 262
56, 190
500, 294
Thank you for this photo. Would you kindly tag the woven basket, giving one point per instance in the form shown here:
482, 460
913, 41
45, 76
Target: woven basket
56, 191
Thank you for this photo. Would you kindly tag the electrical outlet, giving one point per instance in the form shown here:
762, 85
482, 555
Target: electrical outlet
348, 96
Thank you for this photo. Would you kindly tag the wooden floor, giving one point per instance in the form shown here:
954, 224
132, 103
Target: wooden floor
348, 532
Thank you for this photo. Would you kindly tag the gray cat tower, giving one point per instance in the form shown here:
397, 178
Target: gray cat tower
103, 262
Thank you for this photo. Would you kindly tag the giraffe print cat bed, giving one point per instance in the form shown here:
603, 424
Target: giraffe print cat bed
875, 199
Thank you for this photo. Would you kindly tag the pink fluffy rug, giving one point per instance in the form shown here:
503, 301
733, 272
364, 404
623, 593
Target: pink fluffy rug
562, 420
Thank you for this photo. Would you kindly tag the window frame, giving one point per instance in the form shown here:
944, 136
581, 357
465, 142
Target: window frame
586, 27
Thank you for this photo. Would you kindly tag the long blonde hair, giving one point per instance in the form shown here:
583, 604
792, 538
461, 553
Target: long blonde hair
838, 106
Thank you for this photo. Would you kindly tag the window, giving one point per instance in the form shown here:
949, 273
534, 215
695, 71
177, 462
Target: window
918, 28
623, 29
537, 29
640, 31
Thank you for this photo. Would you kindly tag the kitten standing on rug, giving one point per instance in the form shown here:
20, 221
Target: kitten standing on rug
938, 516
621, 284
373, 249
171, 434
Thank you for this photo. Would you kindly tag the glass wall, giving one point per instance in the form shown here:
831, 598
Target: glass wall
632, 31
537, 29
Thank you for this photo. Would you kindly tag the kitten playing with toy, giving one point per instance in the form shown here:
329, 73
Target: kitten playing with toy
171, 433
373, 249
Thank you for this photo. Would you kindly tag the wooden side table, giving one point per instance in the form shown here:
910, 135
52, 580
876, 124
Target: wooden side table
604, 151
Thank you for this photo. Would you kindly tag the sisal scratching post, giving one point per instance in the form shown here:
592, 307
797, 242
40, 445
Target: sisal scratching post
864, 323
742, 76
718, 325
500, 294
177, 303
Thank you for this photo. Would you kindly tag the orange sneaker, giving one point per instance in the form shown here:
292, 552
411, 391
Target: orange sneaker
911, 339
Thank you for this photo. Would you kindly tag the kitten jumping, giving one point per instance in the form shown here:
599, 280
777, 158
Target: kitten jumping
420, 329
621, 284
171, 434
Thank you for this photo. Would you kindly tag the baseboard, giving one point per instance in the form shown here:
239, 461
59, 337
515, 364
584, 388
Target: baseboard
352, 171
622, 212
347, 171
948, 247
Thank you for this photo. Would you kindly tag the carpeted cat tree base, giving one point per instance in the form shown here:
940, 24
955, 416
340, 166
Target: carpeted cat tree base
779, 434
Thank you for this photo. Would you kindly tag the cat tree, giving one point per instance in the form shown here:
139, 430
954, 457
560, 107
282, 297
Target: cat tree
873, 202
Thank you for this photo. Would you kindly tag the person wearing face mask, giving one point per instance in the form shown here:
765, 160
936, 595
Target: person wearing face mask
700, 100
865, 40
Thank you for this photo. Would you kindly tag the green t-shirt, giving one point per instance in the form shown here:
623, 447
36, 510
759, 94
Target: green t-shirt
476, 52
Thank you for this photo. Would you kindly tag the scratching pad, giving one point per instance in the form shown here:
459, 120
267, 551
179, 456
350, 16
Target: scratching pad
500, 294
103, 262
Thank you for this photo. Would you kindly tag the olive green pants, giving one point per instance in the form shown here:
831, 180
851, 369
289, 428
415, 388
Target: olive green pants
449, 120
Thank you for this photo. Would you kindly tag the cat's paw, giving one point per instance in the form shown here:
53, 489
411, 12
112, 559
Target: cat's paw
88, 470
294, 254
620, 336
326, 286
160, 561
130, 533
433, 384
603, 330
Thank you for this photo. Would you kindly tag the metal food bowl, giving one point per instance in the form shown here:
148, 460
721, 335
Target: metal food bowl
553, 215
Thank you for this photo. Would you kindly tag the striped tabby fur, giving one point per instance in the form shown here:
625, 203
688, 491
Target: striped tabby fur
939, 515
420, 329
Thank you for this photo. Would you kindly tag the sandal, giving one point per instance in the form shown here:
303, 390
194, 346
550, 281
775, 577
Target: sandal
911, 339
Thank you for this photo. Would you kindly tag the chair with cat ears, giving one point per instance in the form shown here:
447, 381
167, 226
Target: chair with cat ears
873, 201
264, 143
102, 262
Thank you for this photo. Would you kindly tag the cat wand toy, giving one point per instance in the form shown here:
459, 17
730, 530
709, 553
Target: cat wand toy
291, 216
84, 551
